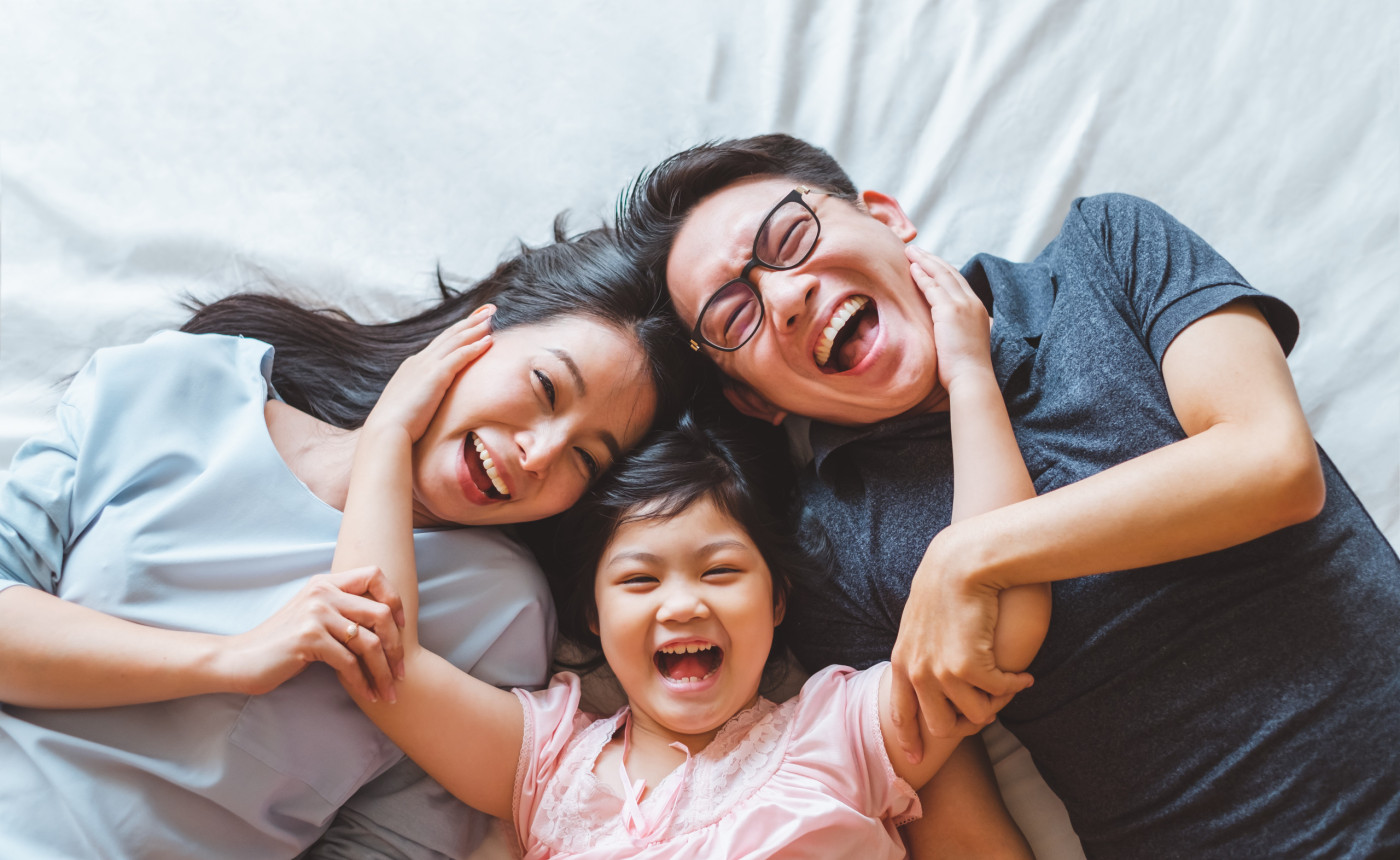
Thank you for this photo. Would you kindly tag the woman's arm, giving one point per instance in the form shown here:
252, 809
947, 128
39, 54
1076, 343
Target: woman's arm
57, 654
465, 733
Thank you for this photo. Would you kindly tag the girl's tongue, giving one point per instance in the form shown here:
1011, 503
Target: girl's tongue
679, 667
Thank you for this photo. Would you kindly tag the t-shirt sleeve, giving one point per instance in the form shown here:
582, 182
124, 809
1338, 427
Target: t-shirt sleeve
1169, 276
550, 721
838, 726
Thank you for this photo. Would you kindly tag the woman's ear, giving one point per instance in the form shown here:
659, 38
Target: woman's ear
593, 620
887, 211
779, 607
752, 404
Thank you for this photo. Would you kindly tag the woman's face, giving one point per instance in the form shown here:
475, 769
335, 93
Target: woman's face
525, 429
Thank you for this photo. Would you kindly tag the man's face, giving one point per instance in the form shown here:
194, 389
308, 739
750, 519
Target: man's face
880, 359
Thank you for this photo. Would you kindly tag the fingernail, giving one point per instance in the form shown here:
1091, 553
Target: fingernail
393, 697
373, 696
399, 670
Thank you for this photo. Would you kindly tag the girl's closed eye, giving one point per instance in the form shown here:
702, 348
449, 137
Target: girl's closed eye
590, 464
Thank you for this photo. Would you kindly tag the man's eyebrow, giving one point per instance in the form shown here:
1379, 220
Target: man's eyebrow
567, 360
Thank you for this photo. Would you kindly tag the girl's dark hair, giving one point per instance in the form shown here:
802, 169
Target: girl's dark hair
749, 477
335, 368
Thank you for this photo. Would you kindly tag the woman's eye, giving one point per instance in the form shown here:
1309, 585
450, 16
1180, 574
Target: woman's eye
590, 464
547, 384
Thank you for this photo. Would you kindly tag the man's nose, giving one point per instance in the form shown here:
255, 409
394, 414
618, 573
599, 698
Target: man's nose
787, 294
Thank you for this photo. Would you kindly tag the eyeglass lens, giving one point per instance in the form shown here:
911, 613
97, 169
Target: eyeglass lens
784, 240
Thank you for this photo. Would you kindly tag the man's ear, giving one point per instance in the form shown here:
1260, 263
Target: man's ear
752, 404
887, 211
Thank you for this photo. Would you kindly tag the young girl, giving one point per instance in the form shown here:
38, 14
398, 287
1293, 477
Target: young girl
689, 575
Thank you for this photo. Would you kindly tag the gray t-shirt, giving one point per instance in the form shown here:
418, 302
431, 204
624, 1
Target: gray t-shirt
1242, 703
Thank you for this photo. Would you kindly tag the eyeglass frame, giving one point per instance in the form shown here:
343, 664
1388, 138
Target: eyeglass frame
793, 196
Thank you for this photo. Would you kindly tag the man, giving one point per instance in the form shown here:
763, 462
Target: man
1221, 677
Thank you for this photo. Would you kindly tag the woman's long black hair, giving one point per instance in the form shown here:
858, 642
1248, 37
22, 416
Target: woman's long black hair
741, 466
333, 367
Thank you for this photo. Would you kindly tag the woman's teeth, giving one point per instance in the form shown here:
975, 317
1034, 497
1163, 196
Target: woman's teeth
843, 315
490, 467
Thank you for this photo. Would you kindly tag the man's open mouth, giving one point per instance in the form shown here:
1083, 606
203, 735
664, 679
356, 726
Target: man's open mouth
688, 663
848, 336
483, 469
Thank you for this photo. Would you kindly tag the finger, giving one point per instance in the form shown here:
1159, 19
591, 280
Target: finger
971, 702
371, 615
904, 714
346, 664
940, 717
367, 646
378, 586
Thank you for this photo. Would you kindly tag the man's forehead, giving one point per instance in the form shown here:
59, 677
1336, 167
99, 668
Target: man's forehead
718, 234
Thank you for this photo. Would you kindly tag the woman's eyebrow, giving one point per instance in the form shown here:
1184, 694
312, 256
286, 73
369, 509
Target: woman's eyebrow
568, 362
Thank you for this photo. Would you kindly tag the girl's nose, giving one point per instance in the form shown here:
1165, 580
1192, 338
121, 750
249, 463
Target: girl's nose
682, 604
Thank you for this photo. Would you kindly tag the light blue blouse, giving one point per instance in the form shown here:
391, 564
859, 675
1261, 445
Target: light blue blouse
160, 498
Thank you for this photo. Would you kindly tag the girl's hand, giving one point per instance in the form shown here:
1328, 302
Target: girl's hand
349, 621
417, 388
961, 327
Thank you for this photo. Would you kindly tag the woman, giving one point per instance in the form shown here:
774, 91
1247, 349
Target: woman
159, 553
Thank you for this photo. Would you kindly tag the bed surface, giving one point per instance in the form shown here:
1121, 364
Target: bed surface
155, 149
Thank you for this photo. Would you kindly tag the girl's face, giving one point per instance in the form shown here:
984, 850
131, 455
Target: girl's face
685, 612
525, 428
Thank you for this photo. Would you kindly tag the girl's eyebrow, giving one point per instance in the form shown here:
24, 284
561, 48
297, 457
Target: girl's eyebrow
652, 558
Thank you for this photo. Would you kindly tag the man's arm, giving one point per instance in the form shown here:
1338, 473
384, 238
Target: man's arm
1248, 466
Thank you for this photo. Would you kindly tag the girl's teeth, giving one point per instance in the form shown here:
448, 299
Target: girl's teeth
843, 315
490, 467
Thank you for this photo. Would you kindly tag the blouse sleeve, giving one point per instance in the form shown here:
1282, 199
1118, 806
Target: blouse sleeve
838, 729
36, 495
550, 721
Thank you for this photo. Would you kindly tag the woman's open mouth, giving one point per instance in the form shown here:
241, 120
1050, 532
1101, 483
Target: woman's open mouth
688, 663
848, 336
482, 469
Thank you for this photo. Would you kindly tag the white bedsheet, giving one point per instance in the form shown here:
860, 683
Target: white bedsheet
148, 149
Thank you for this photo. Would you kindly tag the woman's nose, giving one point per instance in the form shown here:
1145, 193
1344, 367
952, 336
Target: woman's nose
787, 295
540, 447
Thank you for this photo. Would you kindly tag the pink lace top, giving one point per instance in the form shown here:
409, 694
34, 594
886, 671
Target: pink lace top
807, 778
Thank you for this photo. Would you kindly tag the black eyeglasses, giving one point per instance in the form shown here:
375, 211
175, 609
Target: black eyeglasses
785, 240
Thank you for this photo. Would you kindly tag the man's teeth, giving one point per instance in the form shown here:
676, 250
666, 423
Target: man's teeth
843, 314
489, 466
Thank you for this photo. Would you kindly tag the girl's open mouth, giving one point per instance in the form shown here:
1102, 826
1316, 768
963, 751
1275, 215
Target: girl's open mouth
688, 663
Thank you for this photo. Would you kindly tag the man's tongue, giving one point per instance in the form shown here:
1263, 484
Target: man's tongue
856, 339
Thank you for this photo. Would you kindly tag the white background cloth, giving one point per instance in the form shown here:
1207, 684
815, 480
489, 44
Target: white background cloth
152, 148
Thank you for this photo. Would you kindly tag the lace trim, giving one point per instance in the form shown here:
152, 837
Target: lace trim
744, 755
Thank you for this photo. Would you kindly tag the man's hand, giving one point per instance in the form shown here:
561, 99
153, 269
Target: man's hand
944, 669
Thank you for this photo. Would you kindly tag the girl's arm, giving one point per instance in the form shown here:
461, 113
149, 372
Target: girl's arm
964, 815
464, 732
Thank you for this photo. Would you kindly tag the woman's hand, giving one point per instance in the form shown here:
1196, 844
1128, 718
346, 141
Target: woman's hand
349, 621
417, 388
961, 327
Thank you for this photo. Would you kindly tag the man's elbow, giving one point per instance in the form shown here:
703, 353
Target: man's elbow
1298, 489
